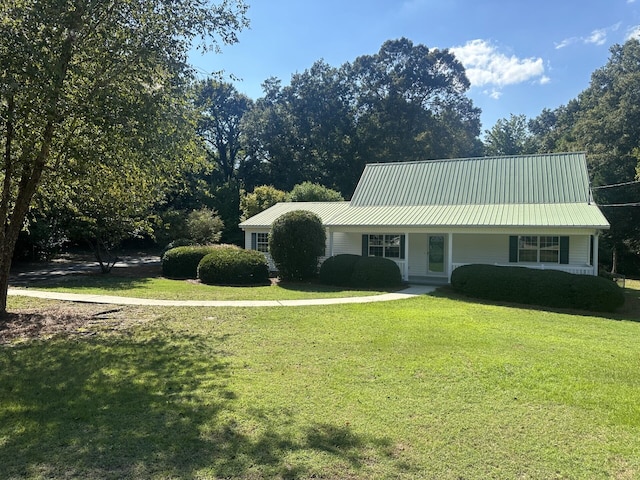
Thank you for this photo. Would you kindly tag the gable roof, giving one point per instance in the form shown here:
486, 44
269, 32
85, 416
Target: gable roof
525, 179
547, 190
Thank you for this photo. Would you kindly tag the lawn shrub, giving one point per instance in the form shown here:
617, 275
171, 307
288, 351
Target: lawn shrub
182, 262
370, 272
231, 265
548, 288
296, 243
179, 242
360, 272
338, 270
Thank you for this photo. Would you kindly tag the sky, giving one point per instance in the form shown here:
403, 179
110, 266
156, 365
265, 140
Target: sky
520, 56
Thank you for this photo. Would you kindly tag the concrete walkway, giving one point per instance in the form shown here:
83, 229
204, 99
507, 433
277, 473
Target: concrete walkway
114, 300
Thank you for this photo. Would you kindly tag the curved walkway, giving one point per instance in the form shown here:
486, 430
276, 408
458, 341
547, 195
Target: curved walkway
114, 300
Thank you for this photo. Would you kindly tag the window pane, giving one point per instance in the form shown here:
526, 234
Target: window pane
262, 242
549, 256
375, 251
528, 242
392, 246
549, 242
528, 256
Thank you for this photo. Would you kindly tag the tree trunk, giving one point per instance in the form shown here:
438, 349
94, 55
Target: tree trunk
614, 260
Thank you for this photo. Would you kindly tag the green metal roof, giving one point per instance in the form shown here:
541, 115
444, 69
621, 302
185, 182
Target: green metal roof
325, 210
550, 190
573, 215
526, 179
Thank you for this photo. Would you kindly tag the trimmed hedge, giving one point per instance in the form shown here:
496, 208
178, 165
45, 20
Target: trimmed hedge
231, 265
360, 272
547, 288
182, 262
179, 242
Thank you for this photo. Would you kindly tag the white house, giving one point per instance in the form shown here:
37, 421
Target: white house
433, 216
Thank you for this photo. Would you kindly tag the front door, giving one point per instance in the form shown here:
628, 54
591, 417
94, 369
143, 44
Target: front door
435, 255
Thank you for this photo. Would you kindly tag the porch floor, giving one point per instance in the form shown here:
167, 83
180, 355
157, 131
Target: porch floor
428, 280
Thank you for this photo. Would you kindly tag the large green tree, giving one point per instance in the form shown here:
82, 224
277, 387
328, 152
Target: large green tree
604, 121
509, 136
407, 102
74, 70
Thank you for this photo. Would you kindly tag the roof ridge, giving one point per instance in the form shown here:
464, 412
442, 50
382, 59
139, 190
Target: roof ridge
483, 157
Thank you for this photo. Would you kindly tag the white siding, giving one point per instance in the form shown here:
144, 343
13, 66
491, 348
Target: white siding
476, 248
350, 243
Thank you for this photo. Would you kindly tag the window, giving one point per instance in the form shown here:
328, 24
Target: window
387, 246
543, 249
262, 242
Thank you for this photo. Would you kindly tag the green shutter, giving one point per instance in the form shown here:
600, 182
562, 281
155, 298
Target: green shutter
564, 250
402, 247
254, 241
513, 248
365, 245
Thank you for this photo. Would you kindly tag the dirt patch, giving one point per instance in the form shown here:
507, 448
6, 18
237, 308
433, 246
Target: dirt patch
65, 320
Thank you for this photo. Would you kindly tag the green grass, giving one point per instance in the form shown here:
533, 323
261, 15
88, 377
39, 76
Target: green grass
432, 387
166, 289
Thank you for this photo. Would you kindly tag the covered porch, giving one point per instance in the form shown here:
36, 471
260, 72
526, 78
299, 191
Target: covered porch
430, 257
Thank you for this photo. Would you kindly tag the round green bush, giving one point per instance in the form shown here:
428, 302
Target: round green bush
547, 288
338, 270
296, 243
182, 262
231, 265
360, 272
373, 272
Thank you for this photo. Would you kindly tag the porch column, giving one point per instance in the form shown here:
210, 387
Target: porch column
406, 257
330, 242
595, 254
449, 256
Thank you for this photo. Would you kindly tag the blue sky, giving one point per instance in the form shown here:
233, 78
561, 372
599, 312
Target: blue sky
520, 56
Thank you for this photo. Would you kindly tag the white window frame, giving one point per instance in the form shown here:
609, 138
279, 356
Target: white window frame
262, 242
542, 245
386, 244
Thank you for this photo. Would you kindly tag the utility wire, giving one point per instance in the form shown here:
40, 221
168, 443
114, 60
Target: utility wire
616, 185
636, 204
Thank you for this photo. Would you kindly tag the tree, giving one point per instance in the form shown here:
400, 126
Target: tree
204, 226
509, 137
411, 104
296, 242
260, 199
90, 69
221, 109
313, 192
604, 121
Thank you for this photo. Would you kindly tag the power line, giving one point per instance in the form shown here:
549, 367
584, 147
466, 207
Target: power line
636, 204
615, 185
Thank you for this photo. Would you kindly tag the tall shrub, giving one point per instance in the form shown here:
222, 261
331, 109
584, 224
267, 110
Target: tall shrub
296, 242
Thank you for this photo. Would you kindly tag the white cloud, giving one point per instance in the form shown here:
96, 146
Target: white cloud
631, 1
487, 66
633, 32
596, 37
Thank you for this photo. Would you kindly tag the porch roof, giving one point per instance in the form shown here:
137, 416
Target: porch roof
324, 210
574, 215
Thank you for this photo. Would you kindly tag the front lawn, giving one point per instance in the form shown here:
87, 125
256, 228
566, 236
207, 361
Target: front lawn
166, 289
431, 387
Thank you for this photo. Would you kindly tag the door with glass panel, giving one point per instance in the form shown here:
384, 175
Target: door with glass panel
435, 254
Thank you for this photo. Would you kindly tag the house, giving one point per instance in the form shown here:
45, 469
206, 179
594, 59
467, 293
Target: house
431, 217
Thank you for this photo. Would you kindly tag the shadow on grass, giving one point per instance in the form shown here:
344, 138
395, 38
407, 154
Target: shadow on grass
630, 311
107, 282
124, 406
314, 287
